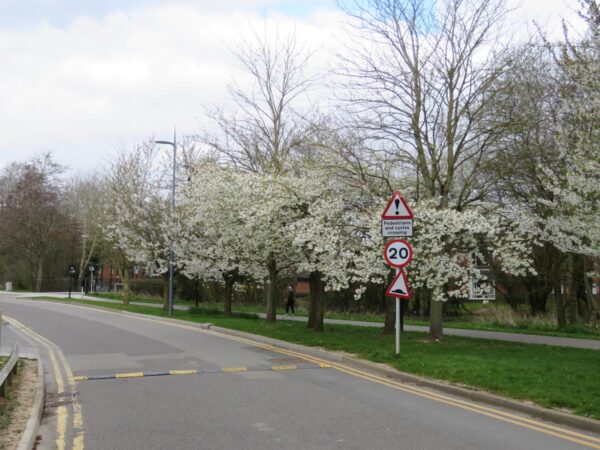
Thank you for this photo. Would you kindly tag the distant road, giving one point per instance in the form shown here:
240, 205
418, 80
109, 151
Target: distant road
116, 381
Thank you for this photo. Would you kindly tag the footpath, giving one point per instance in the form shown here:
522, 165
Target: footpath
477, 334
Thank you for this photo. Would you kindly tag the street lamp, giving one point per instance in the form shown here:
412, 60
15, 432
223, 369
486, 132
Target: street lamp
171, 256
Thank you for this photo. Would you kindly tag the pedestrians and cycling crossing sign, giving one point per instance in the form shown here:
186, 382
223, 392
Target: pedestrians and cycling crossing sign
397, 218
399, 287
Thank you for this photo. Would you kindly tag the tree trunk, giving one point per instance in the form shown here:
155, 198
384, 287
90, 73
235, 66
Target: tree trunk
317, 291
272, 290
538, 297
436, 310
229, 282
165, 278
312, 299
40, 275
572, 290
416, 303
561, 317
124, 274
389, 324
589, 297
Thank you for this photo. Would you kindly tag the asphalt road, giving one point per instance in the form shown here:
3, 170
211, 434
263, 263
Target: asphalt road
285, 400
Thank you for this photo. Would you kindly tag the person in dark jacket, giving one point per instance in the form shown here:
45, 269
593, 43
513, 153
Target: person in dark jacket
291, 297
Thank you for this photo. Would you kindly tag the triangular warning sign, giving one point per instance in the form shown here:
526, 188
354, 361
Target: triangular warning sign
399, 287
397, 208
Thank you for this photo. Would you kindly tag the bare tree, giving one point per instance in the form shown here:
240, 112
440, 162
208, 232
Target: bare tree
83, 196
420, 76
33, 223
268, 126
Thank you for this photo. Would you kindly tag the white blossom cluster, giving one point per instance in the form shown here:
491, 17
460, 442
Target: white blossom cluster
231, 221
574, 225
446, 239
138, 212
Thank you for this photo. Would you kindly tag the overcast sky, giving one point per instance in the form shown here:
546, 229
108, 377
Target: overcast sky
83, 78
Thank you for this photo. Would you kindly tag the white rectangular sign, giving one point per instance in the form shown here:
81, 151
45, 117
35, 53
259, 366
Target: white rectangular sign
482, 289
397, 227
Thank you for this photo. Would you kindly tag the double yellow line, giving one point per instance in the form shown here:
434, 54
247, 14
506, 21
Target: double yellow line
62, 412
545, 428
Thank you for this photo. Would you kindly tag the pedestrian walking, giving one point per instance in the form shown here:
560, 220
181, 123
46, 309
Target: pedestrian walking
291, 297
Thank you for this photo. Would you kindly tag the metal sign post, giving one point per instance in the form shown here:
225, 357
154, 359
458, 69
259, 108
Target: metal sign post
397, 220
91, 285
397, 326
71, 275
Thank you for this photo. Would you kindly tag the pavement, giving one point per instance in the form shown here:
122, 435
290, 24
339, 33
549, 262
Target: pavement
169, 384
476, 334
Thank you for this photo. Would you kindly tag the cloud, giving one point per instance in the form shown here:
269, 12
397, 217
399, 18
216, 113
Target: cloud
102, 83
107, 77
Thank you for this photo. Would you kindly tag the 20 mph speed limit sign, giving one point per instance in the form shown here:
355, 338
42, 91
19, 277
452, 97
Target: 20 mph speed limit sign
398, 253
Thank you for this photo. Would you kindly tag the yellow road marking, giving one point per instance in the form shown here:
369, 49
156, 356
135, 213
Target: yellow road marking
130, 375
288, 367
234, 369
541, 427
60, 385
490, 412
483, 410
62, 411
183, 372
78, 442
62, 417
77, 414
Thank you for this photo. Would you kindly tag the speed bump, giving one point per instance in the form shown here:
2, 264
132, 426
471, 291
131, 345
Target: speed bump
179, 372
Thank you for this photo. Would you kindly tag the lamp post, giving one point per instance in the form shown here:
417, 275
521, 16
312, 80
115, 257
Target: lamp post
171, 256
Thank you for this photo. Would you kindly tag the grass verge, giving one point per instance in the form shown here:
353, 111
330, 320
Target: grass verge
554, 377
8, 405
523, 327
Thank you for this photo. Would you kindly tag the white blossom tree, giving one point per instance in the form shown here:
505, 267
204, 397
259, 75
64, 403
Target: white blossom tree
335, 235
269, 125
420, 78
210, 243
138, 210
574, 225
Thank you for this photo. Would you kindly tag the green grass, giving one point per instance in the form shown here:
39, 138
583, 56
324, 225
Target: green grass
554, 377
132, 297
541, 329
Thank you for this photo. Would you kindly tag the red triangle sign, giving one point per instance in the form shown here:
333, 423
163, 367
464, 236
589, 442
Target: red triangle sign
399, 287
397, 208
